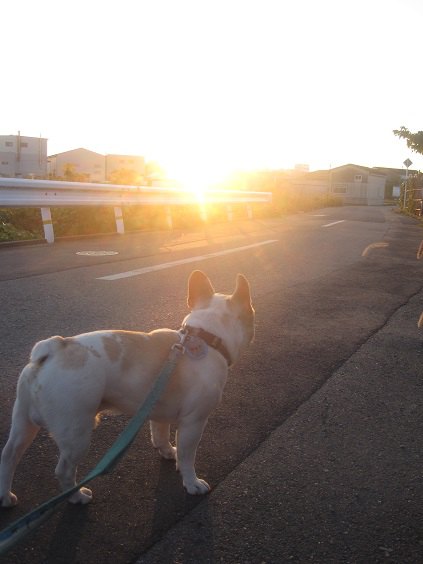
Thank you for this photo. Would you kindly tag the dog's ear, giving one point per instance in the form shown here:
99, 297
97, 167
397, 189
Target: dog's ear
242, 295
200, 289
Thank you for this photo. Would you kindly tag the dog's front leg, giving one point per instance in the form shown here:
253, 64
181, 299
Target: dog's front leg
188, 436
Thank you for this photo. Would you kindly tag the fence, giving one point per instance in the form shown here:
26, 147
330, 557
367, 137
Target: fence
44, 194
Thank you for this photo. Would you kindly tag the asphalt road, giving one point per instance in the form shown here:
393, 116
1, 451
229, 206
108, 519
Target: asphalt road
323, 283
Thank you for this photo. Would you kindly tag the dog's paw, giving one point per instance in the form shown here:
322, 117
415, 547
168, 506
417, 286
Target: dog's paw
83, 496
168, 452
197, 487
8, 500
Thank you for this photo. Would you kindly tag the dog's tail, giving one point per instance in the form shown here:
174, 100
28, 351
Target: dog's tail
43, 349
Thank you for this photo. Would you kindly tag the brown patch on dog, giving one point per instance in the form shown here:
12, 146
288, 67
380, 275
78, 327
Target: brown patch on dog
149, 350
134, 346
112, 347
73, 355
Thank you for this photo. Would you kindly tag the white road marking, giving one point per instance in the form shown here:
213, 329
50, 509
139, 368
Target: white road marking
96, 253
377, 245
165, 265
333, 223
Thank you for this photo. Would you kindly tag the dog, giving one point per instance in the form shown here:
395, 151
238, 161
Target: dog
70, 381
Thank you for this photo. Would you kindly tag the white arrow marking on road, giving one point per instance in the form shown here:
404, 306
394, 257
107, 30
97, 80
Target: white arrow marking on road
165, 265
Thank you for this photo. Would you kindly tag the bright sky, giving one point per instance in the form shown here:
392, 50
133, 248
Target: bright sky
209, 86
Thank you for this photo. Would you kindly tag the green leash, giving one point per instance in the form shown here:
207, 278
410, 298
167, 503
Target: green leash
20, 528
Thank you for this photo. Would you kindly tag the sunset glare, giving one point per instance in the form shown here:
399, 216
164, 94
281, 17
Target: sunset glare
206, 88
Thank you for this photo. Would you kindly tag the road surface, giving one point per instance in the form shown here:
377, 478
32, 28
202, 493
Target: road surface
322, 282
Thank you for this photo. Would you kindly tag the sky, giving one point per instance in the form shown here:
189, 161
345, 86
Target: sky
207, 87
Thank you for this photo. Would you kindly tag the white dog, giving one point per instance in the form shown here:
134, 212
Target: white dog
70, 381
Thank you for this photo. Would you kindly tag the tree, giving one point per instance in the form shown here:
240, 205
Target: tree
70, 174
126, 176
414, 140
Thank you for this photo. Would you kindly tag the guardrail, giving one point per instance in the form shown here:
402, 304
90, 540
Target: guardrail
44, 194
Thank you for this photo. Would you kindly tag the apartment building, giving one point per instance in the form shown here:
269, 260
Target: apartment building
22, 156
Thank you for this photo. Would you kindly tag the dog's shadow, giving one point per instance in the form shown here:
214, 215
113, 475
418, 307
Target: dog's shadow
174, 513
70, 527
193, 527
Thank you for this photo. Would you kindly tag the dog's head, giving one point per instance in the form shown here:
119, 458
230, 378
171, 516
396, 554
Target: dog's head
231, 310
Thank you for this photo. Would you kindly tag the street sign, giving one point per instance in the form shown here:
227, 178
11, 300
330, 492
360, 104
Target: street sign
407, 163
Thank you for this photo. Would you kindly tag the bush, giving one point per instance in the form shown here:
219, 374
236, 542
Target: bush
143, 218
286, 202
83, 220
20, 223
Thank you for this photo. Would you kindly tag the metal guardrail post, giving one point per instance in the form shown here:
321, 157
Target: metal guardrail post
47, 225
120, 226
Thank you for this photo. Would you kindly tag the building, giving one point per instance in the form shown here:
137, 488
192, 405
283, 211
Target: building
353, 184
394, 178
80, 164
118, 163
23, 157
89, 166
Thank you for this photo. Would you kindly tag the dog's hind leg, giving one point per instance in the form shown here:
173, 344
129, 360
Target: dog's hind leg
160, 433
73, 445
22, 433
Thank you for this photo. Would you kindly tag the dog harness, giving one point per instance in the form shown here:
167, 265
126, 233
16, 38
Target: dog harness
196, 342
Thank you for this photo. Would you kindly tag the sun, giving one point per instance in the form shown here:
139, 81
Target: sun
197, 178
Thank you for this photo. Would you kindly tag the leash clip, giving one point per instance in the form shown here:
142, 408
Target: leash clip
179, 348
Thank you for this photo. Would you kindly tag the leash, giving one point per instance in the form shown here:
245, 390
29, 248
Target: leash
21, 527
